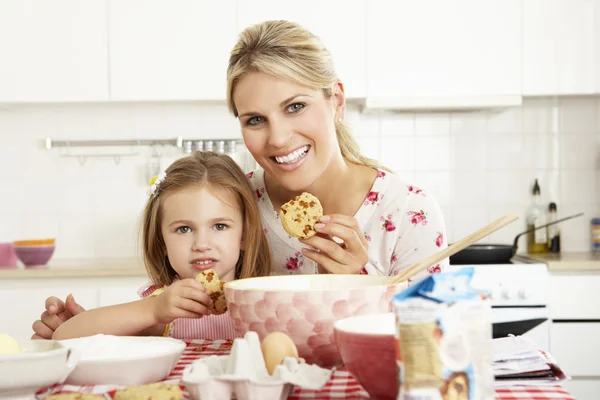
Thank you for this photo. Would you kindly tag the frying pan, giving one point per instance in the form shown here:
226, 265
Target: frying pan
495, 253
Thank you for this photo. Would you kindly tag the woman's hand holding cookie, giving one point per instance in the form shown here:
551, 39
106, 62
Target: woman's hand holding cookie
347, 258
183, 299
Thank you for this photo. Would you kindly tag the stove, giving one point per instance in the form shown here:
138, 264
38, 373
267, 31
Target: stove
519, 293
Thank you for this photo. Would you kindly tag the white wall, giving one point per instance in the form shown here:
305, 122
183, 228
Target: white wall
479, 165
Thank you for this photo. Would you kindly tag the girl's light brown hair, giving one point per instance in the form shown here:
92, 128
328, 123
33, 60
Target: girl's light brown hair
217, 171
285, 50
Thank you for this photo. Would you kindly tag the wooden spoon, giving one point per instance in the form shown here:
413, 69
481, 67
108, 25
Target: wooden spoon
454, 248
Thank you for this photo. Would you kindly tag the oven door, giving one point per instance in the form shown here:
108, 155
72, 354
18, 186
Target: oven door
523, 321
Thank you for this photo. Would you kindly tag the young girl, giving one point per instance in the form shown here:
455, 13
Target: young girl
201, 214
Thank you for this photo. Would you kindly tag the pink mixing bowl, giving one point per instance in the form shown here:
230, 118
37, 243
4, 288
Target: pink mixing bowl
305, 307
367, 347
34, 256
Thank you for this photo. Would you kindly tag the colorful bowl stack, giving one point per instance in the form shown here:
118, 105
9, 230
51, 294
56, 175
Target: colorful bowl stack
34, 253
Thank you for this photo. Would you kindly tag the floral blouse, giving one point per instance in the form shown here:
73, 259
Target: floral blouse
402, 223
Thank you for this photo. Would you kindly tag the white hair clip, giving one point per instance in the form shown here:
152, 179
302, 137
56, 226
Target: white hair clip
155, 183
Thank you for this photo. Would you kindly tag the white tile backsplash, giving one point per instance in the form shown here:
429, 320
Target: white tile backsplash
398, 153
432, 124
397, 124
432, 153
479, 165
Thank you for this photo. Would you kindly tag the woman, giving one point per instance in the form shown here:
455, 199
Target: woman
283, 89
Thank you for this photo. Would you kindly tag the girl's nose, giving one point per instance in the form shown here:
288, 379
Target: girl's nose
201, 243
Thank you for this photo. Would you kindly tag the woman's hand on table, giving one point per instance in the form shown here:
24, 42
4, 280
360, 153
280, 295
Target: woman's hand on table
56, 313
185, 298
349, 257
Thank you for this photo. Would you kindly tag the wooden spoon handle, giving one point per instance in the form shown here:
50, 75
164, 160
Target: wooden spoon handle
454, 248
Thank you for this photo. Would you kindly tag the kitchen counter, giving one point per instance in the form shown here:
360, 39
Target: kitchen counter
566, 262
78, 268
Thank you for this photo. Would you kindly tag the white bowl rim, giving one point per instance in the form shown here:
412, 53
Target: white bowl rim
35, 354
181, 345
234, 285
339, 325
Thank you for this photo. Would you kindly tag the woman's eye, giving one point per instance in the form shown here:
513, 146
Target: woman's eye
220, 227
184, 229
254, 121
293, 108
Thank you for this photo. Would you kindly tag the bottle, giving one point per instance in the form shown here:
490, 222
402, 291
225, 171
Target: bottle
537, 241
553, 230
596, 235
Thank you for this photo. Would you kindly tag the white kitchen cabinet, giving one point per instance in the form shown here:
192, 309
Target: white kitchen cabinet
443, 49
596, 42
558, 42
170, 50
53, 51
24, 304
573, 335
22, 300
340, 24
123, 290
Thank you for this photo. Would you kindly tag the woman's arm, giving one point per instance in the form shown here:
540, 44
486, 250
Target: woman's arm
130, 319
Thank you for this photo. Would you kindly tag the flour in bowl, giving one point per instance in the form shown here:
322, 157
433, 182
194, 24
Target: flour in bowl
109, 347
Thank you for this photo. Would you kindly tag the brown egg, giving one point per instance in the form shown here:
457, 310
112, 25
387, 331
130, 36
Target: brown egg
275, 347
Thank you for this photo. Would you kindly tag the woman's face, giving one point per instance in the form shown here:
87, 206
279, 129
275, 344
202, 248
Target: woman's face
289, 129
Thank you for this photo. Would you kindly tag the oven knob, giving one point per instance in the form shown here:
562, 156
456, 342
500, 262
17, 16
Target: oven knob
506, 294
523, 294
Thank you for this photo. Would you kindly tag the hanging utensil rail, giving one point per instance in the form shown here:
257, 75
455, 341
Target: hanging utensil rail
175, 142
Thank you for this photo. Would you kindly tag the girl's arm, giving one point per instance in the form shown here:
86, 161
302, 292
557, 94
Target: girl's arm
130, 319
183, 299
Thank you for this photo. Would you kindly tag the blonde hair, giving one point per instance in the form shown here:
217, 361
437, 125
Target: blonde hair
215, 171
286, 50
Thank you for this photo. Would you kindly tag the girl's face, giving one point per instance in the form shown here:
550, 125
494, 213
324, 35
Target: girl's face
289, 129
202, 228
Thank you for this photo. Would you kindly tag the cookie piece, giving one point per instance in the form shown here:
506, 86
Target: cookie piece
299, 216
151, 391
75, 396
214, 289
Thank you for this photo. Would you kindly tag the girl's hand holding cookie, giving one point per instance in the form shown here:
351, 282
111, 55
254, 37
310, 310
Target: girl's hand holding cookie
347, 258
185, 298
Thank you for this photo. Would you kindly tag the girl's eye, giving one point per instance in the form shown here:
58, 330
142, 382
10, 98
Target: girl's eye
184, 229
220, 227
254, 121
293, 108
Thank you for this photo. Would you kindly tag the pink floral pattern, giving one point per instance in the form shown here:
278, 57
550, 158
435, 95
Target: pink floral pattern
434, 269
372, 198
387, 225
259, 193
250, 174
401, 222
418, 217
415, 190
295, 263
439, 240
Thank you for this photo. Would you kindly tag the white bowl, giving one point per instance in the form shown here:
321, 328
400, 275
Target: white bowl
43, 363
123, 360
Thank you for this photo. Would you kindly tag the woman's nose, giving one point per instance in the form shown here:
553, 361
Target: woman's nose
279, 133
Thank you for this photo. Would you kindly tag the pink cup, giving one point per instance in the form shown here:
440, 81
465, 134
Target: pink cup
8, 257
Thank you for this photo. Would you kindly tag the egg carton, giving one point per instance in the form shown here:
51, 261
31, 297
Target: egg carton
243, 374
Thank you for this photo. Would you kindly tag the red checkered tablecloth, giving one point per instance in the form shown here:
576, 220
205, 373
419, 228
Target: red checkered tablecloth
341, 386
